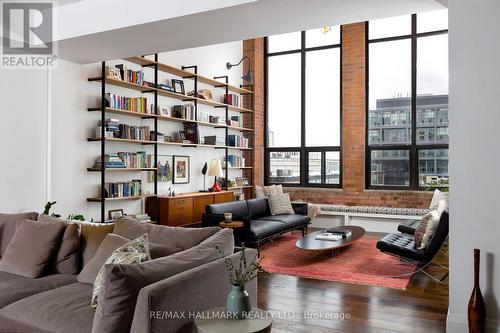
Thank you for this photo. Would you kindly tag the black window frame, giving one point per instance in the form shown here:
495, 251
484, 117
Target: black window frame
413, 148
303, 149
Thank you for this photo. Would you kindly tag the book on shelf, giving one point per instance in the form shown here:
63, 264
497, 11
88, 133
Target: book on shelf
130, 188
166, 87
234, 121
185, 111
110, 161
133, 104
235, 161
214, 140
232, 99
328, 236
192, 132
235, 140
129, 75
141, 217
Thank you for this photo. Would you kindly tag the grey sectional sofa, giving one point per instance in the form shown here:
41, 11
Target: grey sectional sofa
59, 303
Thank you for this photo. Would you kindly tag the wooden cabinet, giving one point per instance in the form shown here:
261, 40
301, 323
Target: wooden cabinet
183, 209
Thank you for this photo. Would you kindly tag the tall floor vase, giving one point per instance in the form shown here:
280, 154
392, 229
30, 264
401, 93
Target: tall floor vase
476, 314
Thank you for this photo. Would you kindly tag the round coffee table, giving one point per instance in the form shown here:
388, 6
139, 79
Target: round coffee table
212, 322
309, 242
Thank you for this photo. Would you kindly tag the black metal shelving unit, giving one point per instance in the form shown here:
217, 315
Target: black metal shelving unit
245, 131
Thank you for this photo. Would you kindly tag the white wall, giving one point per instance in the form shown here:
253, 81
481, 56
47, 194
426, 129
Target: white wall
474, 27
27, 149
22, 139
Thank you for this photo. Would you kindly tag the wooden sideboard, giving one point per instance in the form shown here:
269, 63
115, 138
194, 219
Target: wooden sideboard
183, 209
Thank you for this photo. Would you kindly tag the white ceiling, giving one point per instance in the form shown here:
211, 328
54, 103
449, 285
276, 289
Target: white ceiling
96, 30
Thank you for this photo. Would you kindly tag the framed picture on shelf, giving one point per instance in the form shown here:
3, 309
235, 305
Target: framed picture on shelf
178, 86
165, 112
163, 170
181, 170
115, 214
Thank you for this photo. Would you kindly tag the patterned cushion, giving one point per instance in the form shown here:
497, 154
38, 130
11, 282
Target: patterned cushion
280, 204
420, 231
133, 252
271, 190
374, 210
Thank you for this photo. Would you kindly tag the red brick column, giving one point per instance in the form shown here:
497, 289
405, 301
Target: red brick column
254, 49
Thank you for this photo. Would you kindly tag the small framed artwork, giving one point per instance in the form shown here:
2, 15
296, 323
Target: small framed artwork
163, 171
178, 86
115, 214
181, 170
165, 112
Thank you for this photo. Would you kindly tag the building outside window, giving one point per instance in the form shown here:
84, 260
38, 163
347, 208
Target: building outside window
407, 109
303, 108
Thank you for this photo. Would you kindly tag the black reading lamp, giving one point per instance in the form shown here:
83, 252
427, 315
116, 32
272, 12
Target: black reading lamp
248, 76
204, 172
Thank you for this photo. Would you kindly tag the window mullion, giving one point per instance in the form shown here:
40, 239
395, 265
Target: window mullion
413, 150
303, 159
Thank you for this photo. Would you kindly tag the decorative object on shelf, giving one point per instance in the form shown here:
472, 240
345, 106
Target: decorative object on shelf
204, 173
476, 313
48, 207
77, 217
228, 217
238, 301
115, 214
178, 86
241, 181
163, 169
165, 112
215, 170
206, 94
248, 76
181, 170
113, 73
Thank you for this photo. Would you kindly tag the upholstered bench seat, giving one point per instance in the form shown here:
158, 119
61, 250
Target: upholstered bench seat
374, 210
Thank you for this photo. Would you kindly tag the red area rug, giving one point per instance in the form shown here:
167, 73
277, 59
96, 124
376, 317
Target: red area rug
360, 262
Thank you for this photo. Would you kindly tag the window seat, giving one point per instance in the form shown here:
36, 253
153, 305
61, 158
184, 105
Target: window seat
372, 210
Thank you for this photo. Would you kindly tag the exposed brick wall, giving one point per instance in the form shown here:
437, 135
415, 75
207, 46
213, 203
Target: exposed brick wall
254, 49
353, 135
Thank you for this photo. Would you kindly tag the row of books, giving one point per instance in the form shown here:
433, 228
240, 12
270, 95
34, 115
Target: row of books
235, 140
233, 99
129, 75
186, 111
235, 161
124, 160
110, 161
130, 188
114, 129
134, 104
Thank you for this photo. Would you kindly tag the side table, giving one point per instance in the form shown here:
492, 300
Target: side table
214, 321
232, 224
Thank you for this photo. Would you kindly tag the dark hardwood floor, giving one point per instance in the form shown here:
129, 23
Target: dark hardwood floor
422, 307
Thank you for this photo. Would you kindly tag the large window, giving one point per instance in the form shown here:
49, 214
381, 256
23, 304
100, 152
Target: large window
303, 108
407, 107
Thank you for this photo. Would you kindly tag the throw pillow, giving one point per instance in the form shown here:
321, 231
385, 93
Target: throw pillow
280, 204
421, 231
259, 192
110, 243
438, 196
271, 190
8, 224
133, 252
92, 236
183, 238
122, 283
31, 248
67, 255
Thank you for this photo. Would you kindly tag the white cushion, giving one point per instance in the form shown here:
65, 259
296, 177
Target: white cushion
438, 195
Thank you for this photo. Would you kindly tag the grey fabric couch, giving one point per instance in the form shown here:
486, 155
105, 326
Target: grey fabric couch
58, 303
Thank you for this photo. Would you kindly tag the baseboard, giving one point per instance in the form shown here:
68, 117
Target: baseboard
457, 323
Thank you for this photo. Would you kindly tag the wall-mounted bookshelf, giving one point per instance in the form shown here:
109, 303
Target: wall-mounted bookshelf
154, 116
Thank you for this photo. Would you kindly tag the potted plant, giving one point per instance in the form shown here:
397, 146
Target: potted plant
238, 301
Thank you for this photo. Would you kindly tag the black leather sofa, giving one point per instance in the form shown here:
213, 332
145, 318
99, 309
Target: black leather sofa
259, 225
